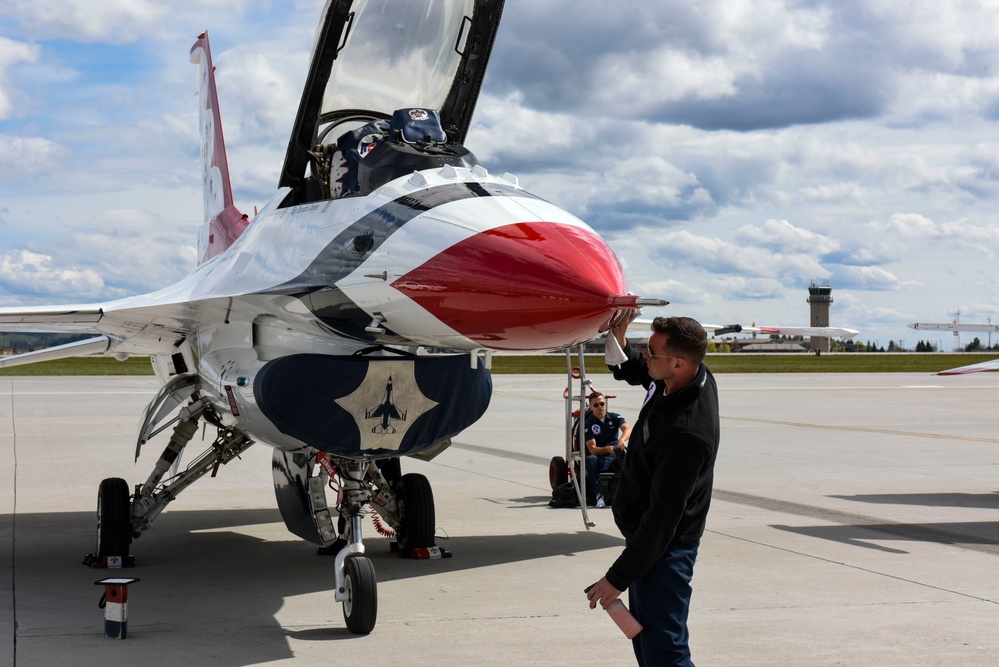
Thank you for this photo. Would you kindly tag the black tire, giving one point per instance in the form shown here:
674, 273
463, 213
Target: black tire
360, 609
558, 472
114, 518
418, 517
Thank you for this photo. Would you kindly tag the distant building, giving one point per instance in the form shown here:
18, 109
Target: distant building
819, 299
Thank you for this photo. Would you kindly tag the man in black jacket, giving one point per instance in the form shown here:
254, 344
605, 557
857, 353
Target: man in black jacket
665, 488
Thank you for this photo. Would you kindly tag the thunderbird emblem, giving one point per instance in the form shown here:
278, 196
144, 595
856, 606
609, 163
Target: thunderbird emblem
381, 422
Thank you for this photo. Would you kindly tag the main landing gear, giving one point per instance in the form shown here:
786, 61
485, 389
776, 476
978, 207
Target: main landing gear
114, 526
121, 517
404, 502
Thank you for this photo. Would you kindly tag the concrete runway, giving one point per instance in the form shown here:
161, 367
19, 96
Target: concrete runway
855, 521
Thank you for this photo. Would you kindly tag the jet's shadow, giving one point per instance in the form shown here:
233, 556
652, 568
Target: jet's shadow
207, 572
980, 536
970, 500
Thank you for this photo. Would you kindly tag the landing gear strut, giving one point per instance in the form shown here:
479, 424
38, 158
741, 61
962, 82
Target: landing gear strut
356, 584
121, 517
405, 503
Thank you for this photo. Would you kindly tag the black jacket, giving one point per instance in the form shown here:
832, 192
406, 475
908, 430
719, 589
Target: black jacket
665, 487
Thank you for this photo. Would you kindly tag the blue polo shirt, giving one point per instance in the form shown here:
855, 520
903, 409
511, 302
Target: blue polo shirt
605, 432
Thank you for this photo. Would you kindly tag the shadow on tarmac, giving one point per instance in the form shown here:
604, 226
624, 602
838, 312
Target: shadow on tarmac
970, 500
982, 536
206, 585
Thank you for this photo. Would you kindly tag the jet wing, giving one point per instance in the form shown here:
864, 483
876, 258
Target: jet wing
641, 328
961, 327
389, 410
81, 348
51, 319
956, 327
144, 325
828, 332
973, 368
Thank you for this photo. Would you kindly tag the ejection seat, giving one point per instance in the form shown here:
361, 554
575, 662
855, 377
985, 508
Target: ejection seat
364, 159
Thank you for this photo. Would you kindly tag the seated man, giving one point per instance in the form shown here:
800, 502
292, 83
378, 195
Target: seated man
602, 442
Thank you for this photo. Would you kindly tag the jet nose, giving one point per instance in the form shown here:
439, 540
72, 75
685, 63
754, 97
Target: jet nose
523, 286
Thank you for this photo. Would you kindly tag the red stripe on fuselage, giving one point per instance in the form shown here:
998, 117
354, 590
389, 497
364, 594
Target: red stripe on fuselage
524, 286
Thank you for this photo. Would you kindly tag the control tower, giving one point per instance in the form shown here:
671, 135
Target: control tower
819, 298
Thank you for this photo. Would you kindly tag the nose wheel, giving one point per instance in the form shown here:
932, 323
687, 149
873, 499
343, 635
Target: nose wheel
360, 608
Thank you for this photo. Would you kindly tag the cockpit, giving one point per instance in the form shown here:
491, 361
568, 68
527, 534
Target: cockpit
391, 90
381, 150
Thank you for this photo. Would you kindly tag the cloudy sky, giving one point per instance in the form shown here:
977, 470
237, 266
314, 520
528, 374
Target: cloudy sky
731, 153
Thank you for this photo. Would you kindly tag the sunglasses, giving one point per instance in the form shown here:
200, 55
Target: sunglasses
599, 405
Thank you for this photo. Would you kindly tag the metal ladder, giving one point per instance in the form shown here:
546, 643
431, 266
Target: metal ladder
576, 390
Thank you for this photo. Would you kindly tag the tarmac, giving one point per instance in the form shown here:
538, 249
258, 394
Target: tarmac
855, 522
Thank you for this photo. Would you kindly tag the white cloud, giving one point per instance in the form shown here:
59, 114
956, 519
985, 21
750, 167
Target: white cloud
33, 273
538, 133
674, 291
661, 77
134, 251
12, 52
980, 237
259, 89
908, 225
753, 288
782, 236
863, 277
22, 157
105, 21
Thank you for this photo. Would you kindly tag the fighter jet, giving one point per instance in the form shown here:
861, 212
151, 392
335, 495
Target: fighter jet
385, 412
957, 328
388, 251
641, 328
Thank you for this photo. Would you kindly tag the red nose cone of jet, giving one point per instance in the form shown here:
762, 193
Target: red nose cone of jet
524, 286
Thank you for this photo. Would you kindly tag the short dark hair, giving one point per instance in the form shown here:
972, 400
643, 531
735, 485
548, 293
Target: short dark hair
685, 337
594, 396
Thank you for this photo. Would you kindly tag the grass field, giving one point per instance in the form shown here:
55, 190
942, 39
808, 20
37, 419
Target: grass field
719, 363
84, 366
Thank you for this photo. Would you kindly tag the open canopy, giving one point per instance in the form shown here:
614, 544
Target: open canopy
371, 57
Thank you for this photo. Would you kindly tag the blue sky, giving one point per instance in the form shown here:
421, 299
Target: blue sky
730, 153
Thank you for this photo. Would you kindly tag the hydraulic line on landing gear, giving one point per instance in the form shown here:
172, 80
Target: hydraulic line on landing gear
151, 498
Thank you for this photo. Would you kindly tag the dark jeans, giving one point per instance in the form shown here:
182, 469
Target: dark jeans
660, 601
596, 464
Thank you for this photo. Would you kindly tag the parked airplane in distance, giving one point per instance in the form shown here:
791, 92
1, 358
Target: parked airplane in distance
957, 328
351, 322
640, 328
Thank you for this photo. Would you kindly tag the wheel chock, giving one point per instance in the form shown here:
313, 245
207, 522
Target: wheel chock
423, 553
108, 562
429, 553
114, 602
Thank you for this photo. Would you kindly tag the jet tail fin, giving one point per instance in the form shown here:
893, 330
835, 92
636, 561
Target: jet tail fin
223, 221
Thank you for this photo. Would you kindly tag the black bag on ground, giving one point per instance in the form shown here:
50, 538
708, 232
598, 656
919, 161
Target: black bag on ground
564, 495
